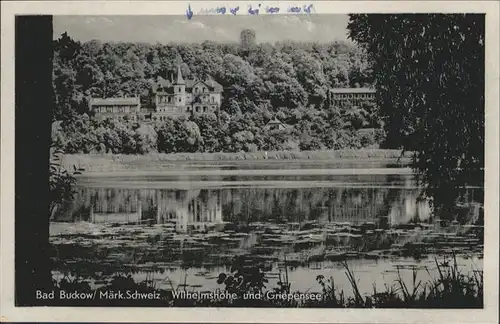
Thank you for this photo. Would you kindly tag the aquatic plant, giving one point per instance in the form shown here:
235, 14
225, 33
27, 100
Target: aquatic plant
245, 276
451, 289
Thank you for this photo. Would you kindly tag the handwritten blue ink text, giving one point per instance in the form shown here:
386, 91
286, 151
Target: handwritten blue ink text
307, 9
234, 10
189, 13
253, 11
272, 10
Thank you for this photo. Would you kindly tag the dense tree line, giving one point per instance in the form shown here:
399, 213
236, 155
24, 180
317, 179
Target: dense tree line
286, 80
430, 72
205, 133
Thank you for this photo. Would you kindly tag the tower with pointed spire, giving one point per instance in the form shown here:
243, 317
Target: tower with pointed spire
179, 88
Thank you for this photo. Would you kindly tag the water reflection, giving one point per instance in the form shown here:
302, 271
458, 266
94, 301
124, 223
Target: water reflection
197, 209
311, 221
201, 209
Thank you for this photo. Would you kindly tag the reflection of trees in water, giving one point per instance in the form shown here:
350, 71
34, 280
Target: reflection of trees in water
296, 205
247, 205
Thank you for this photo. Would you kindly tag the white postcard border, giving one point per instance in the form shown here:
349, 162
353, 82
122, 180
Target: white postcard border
121, 314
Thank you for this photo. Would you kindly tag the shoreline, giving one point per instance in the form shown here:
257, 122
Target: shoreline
120, 162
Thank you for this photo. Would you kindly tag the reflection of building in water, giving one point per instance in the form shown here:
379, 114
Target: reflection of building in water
116, 217
111, 206
187, 209
192, 209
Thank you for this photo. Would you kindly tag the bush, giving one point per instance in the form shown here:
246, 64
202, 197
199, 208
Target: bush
370, 137
207, 134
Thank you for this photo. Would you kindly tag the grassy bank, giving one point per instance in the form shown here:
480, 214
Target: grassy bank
108, 162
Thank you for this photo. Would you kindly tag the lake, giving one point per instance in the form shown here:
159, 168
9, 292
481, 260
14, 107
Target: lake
183, 225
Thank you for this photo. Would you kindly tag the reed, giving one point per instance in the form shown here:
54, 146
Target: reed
451, 288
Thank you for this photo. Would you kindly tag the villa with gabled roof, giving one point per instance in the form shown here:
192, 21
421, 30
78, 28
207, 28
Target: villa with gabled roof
185, 97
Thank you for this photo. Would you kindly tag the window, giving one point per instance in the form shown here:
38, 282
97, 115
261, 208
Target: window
205, 108
196, 90
197, 108
179, 100
212, 99
204, 90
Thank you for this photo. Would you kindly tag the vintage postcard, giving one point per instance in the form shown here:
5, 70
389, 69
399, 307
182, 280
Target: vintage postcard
250, 161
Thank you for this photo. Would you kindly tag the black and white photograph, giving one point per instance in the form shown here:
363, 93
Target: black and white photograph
251, 155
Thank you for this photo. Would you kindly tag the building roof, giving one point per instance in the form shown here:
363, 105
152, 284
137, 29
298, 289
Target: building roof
167, 86
353, 90
114, 101
274, 121
180, 79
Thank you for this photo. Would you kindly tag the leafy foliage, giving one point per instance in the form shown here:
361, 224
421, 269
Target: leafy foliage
260, 81
61, 182
207, 133
429, 72
245, 276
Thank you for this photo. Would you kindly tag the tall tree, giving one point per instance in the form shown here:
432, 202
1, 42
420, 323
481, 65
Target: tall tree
247, 39
429, 71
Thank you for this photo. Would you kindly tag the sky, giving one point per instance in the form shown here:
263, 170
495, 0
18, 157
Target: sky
221, 28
